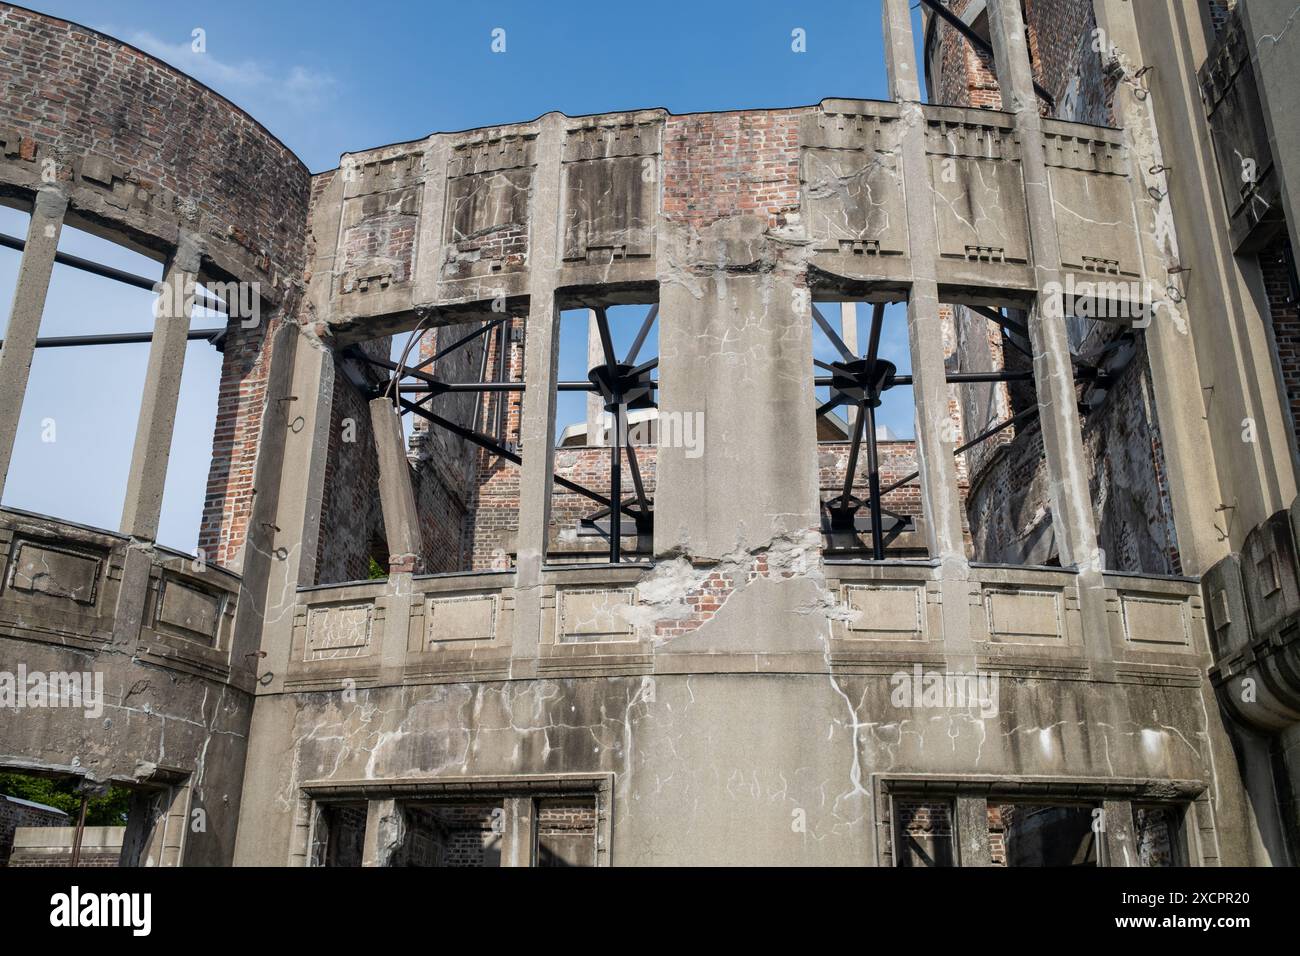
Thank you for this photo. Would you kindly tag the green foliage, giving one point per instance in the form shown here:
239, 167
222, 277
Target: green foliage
61, 793
375, 570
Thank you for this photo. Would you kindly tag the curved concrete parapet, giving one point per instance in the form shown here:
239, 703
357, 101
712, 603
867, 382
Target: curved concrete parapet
117, 667
436, 225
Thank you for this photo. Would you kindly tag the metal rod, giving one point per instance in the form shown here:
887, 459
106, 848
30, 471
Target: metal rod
873, 484
851, 470
497, 449
641, 335
108, 272
606, 341
977, 41
953, 378
831, 334
642, 501
464, 387
996, 315
503, 373
643, 368
488, 327
1015, 419
826, 406
616, 489
115, 338
877, 322
81, 830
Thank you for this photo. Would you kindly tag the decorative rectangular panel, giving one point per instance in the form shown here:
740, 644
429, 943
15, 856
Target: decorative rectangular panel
192, 613
337, 632
454, 619
1150, 620
886, 612
55, 572
1023, 616
593, 616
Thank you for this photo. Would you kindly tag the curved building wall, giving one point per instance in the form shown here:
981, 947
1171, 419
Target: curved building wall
123, 145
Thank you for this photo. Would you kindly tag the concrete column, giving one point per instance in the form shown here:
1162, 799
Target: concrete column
1176, 380
1117, 834
385, 832
935, 439
595, 356
537, 419
973, 831
1072, 518
162, 387
396, 496
25, 315
1073, 524
517, 838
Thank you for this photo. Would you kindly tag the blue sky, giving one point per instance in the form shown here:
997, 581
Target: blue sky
330, 77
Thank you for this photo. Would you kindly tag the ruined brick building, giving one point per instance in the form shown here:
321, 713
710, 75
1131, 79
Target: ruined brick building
435, 621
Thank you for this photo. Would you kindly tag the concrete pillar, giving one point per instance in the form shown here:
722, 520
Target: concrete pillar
162, 387
25, 315
1072, 518
935, 438
1176, 376
1117, 834
396, 496
537, 419
517, 838
595, 406
1073, 524
385, 832
973, 831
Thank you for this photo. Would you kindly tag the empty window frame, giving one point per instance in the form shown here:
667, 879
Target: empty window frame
98, 316
607, 434
339, 834
464, 831
925, 831
1043, 834
451, 834
871, 505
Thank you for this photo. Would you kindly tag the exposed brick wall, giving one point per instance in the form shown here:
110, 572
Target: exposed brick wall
925, 833
241, 401
352, 520
95, 94
1275, 265
14, 815
1061, 54
724, 164
184, 145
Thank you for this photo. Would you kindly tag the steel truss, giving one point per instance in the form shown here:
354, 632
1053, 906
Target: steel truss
622, 385
860, 383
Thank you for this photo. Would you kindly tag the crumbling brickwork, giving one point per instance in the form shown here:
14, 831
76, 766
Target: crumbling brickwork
720, 164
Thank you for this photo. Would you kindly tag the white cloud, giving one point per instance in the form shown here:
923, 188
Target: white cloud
300, 87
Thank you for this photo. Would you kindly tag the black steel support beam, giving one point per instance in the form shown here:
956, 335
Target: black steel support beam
117, 338
108, 272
